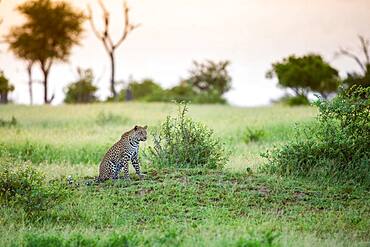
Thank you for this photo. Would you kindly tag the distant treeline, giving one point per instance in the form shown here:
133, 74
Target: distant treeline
207, 82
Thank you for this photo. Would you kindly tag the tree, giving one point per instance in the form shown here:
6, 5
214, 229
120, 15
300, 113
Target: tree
354, 78
5, 88
210, 77
50, 31
309, 73
106, 38
83, 90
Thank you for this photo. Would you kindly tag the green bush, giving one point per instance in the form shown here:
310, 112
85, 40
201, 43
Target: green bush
82, 90
145, 90
183, 143
23, 186
253, 135
336, 148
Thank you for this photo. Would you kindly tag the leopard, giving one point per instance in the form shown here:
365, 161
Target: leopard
126, 149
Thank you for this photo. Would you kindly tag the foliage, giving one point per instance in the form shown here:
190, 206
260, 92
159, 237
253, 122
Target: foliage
5, 88
336, 148
23, 186
356, 79
309, 73
146, 90
184, 92
253, 135
210, 77
182, 142
149, 91
83, 90
48, 34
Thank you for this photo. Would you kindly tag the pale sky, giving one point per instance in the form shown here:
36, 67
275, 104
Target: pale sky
250, 33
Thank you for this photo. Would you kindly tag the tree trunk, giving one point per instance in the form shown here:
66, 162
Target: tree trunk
112, 78
45, 82
3, 97
29, 70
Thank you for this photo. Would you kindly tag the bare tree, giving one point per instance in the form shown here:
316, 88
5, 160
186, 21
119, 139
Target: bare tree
364, 65
106, 38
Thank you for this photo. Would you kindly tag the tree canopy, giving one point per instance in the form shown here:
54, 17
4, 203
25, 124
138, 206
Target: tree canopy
309, 73
210, 77
48, 34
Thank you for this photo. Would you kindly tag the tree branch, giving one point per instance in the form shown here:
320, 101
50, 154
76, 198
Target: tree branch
102, 37
354, 57
106, 34
128, 26
364, 46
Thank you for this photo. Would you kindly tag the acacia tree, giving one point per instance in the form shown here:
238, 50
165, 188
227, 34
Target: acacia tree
354, 78
106, 38
47, 36
309, 73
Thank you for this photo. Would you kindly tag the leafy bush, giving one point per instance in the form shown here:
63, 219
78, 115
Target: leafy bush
183, 143
336, 148
83, 90
184, 92
5, 88
253, 135
23, 186
146, 90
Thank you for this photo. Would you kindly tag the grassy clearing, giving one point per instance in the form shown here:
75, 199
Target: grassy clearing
234, 207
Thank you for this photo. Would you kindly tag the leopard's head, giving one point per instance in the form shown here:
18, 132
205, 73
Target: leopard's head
140, 132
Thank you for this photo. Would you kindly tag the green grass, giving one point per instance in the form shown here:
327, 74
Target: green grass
234, 207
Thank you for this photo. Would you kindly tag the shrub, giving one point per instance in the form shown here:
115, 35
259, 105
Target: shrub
336, 148
5, 88
183, 143
253, 135
23, 186
146, 90
83, 90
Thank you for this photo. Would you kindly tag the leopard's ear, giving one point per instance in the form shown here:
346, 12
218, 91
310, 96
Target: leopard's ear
146, 126
136, 127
